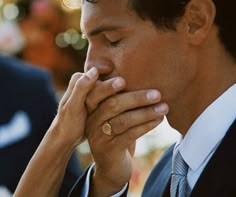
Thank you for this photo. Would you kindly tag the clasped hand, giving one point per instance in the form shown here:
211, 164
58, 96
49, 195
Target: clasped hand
88, 103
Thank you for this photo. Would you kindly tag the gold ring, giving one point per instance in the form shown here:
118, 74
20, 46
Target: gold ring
106, 128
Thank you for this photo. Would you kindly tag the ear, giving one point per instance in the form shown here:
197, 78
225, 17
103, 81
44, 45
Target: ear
200, 15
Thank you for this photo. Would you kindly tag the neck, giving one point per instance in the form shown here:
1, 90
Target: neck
212, 80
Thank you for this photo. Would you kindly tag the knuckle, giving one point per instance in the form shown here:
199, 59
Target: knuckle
74, 77
69, 108
119, 122
112, 104
90, 103
131, 135
122, 122
136, 96
80, 84
62, 113
61, 110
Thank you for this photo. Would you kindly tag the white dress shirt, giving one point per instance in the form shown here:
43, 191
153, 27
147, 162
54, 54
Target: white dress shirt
202, 139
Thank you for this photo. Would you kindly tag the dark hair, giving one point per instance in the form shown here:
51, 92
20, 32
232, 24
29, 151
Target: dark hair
225, 16
165, 14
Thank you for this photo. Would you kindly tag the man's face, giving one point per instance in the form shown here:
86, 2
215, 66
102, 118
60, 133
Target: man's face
122, 44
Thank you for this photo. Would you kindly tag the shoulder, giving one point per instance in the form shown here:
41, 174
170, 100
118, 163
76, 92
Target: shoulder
13, 70
162, 163
159, 176
11, 66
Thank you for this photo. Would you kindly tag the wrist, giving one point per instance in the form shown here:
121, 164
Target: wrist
61, 137
55, 141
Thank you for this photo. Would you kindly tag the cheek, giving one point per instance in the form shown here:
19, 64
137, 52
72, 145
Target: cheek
145, 65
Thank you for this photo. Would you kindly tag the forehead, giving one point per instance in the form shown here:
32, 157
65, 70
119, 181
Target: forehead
106, 12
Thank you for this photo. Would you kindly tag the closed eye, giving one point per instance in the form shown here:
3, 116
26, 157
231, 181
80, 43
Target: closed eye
114, 43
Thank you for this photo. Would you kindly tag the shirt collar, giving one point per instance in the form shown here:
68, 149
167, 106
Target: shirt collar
209, 129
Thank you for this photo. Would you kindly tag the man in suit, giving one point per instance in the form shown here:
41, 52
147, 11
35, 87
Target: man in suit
27, 107
147, 59
185, 49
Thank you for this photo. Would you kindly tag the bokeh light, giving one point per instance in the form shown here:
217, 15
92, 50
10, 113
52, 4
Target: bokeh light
1, 3
72, 4
71, 37
80, 44
60, 41
10, 11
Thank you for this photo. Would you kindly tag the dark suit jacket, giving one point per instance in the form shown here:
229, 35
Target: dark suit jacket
216, 180
26, 95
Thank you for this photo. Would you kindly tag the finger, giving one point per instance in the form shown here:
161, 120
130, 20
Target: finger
130, 136
82, 87
103, 90
139, 116
119, 103
71, 85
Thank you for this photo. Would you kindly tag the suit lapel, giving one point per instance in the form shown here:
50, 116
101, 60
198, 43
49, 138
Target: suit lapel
166, 180
158, 182
218, 178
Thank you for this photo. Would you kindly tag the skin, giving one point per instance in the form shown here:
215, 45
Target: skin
141, 74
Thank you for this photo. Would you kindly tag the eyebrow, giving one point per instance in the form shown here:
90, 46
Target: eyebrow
101, 29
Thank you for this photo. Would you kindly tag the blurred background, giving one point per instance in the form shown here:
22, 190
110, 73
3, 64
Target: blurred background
43, 33
46, 34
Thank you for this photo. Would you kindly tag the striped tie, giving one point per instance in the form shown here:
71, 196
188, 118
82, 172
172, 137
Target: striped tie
178, 179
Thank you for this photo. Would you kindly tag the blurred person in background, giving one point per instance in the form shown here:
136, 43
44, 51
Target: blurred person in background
41, 23
189, 55
11, 38
27, 107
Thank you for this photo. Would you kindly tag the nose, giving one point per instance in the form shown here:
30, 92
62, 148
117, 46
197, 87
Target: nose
98, 59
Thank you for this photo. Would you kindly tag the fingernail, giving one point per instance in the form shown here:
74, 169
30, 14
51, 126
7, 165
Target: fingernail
153, 95
92, 73
118, 83
163, 108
